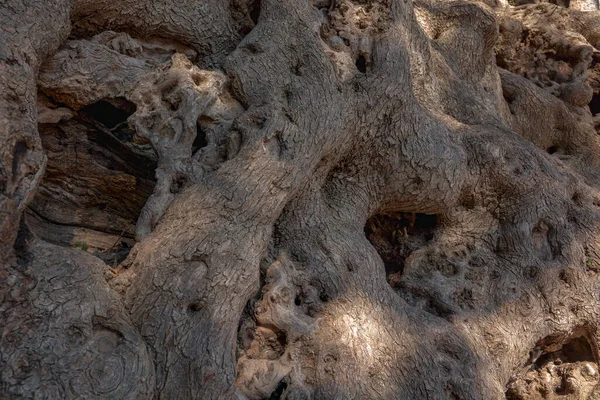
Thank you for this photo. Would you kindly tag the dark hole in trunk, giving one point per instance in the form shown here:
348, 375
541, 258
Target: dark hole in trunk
255, 11
552, 149
110, 113
558, 358
195, 306
396, 235
595, 104
21, 245
178, 183
276, 395
561, 3
200, 140
361, 64
576, 349
18, 153
282, 338
111, 179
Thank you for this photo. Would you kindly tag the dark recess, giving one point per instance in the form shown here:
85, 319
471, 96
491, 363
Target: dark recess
276, 395
21, 245
595, 104
18, 153
196, 306
106, 121
574, 350
561, 3
577, 349
200, 140
361, 64
178, 183
115, 255
255, 11
396, 235
108, 114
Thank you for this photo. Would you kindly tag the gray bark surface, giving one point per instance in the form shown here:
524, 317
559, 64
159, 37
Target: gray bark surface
285, 199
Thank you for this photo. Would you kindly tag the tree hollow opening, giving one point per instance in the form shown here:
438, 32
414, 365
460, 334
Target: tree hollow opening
561, 367
561, 3
110, 113
96, 183
200, 141
396, 235
552, 149
278, 392
577, 349
361, 64
595, 104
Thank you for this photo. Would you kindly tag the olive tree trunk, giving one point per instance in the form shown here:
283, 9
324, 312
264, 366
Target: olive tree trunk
322, 199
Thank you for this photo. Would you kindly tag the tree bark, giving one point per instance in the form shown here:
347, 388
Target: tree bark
324, 199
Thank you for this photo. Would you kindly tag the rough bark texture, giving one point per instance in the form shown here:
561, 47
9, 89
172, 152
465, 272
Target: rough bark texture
323, 199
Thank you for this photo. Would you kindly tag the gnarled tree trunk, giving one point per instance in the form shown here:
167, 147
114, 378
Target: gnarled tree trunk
322, 199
